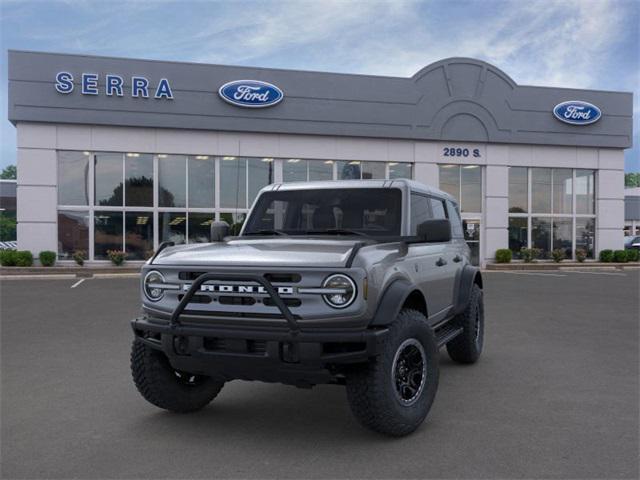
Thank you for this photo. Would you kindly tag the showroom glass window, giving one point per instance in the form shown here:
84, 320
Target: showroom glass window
133, 201
464, 183
551, 208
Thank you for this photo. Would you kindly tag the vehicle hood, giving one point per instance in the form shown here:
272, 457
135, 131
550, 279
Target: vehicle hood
276, 252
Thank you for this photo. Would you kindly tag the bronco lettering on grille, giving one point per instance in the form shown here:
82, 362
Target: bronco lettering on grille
248, 289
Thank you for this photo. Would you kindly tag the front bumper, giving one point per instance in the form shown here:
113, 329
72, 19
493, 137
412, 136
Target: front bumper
302, 357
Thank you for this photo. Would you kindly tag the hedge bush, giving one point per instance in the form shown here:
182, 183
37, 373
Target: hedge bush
8, 258
47, 258
24, 258
606, 256
581, 254
633, 255
503, 255
79, 256
620, 256
558, 255
117, 257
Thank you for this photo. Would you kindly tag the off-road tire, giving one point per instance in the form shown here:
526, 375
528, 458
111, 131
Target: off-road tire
371, 389
165, 388
467, 347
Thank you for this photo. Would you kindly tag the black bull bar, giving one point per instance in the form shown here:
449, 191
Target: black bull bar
174, 322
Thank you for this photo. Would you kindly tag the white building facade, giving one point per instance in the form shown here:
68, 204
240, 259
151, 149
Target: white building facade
111, 170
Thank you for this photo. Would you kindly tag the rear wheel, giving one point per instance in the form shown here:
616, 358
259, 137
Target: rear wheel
163, 386
394, 393
467, 347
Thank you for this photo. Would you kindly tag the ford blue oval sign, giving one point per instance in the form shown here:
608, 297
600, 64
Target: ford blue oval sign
251, 93
577, 112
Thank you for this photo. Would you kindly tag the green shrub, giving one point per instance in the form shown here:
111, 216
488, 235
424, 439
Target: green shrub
581, 254
620, 256
606, 255
558, 255
503, 255
633, 255
8, 258
79, 256
47, 258
117, 257
24, 258
526, 254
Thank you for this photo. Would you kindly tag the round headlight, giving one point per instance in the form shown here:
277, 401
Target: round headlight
153, 285
345, 291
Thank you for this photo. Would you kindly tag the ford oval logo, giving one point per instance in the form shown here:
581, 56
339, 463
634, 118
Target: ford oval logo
577, 112
251, 93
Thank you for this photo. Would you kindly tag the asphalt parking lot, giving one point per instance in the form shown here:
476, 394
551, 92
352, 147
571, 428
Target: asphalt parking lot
555, 395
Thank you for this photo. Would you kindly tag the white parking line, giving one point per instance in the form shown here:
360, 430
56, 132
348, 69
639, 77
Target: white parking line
78, 283
533, 273
598, 273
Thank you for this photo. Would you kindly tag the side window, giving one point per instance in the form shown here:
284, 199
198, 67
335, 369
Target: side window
437, 207
420, 211
456, 223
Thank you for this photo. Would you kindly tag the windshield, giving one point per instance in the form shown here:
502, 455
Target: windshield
339, 211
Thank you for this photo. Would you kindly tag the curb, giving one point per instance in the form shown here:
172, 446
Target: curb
78, 272
497, 267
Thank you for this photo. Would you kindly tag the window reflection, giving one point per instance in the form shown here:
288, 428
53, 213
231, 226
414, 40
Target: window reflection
320, 170
585, 235
350, 170
172, 227
294, 170
518, 190
138, 170
73, 233
517, 235
373, 170
73, 178
562, 190
202, 178
260, 175
563, 235
585, 191
235, 221
471, 188
172, 188
107, 232
541, 235
399, 170
541, 190
450, 180
139, 235
200, 227
108, 179
233, 182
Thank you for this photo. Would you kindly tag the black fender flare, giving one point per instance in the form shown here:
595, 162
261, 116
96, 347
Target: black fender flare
468, 277
391, 302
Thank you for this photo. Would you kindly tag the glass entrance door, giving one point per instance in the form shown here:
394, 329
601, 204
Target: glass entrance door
471, 228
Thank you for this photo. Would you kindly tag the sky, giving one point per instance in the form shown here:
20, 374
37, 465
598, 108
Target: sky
566, 43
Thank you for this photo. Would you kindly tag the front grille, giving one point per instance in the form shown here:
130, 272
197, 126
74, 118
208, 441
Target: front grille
253, 347
229, 300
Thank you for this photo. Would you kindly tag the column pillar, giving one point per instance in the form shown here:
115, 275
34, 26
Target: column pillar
36, 194
610, 200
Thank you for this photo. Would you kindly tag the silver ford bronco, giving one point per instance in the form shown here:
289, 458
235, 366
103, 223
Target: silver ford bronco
356, 283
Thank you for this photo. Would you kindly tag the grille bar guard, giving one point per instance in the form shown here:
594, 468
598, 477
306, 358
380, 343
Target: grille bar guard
205, 277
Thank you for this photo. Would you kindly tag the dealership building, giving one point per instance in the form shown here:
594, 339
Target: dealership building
124, 154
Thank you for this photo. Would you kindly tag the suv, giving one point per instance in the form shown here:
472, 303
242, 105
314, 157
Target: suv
356, 283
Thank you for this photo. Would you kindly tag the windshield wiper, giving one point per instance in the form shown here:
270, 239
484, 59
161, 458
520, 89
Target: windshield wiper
337, 231
266, 232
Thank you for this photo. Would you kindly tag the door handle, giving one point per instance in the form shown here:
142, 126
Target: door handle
457, 258
441, 262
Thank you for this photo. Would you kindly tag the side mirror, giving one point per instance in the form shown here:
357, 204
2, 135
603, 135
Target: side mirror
219, 230
435, 231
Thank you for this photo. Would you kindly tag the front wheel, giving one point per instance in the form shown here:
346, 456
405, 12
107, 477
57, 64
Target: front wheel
163, 386
394, 393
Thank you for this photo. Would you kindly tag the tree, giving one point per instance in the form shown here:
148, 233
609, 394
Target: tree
632, 180
9, 172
